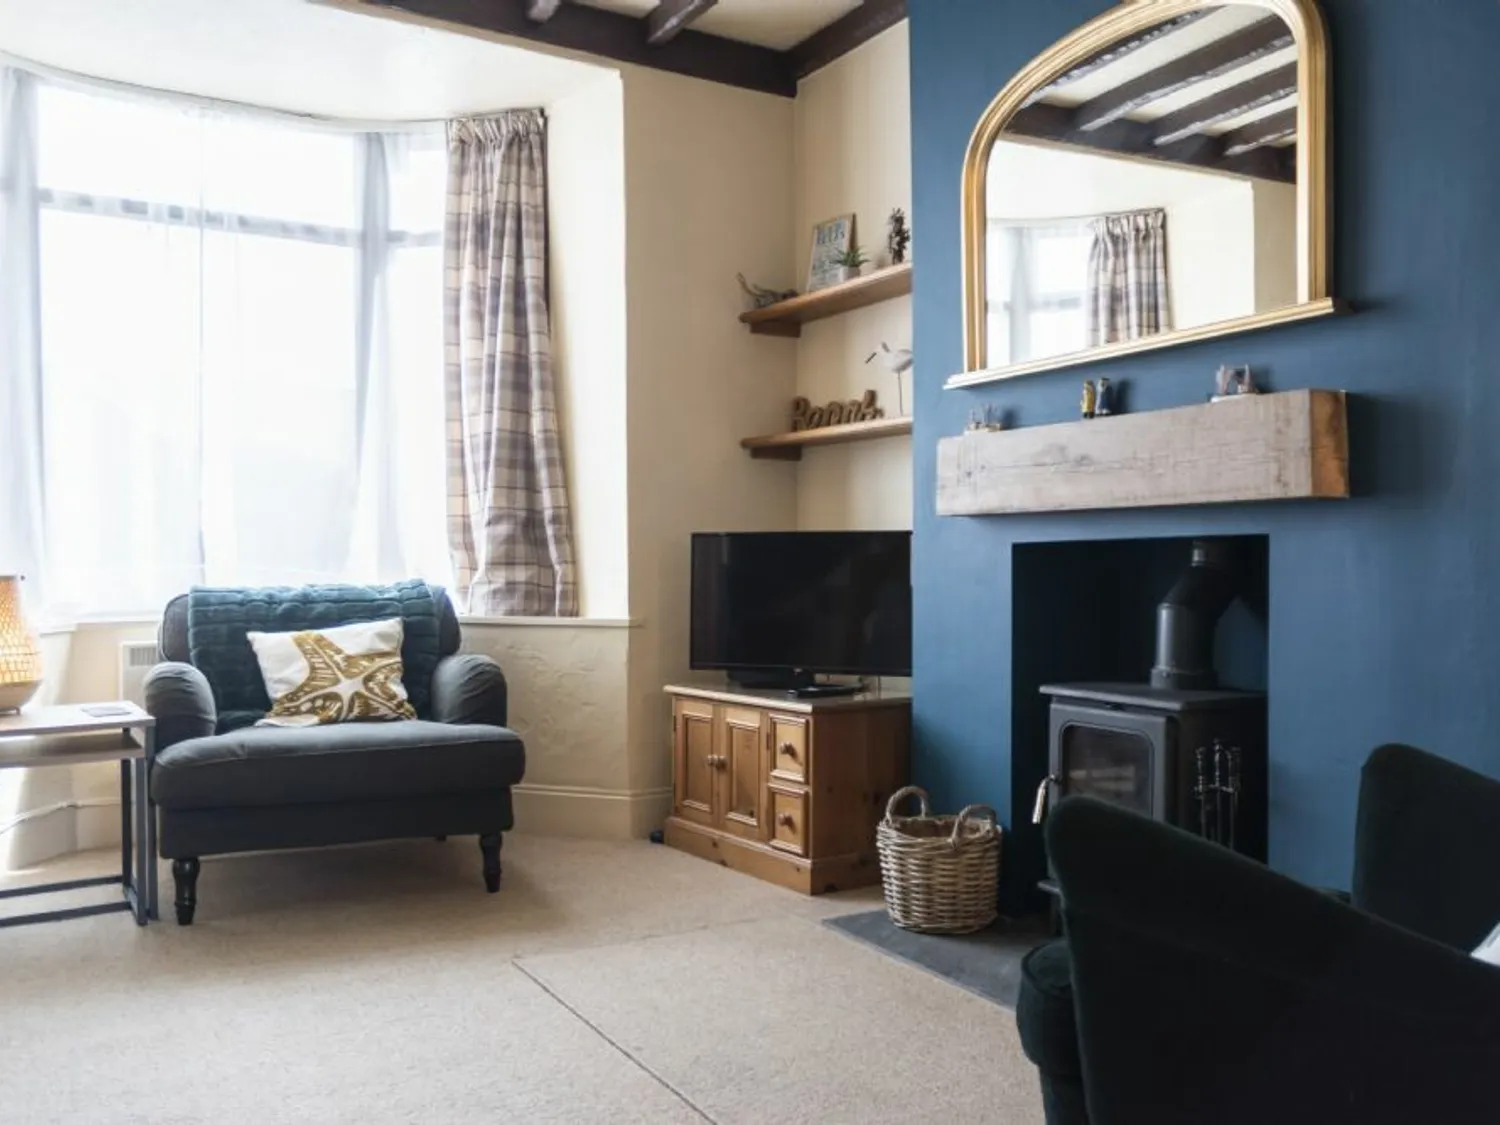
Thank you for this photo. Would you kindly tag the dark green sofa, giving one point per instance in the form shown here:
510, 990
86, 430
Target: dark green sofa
1196, 987
221, 784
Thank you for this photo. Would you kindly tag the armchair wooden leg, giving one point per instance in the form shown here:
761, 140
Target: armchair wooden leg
489, 848
185, 875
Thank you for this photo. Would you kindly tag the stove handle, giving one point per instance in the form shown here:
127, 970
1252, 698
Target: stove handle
1044, 798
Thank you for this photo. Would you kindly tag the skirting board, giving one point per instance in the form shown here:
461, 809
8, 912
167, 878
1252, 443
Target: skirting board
596, 814
59, 829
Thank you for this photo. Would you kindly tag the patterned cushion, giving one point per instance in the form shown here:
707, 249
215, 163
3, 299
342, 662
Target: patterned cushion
347, 674
219, 619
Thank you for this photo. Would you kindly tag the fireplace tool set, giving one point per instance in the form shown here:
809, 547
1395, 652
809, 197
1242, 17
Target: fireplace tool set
1217, 790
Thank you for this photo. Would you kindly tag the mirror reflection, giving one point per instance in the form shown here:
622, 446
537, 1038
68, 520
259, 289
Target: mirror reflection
1149, 189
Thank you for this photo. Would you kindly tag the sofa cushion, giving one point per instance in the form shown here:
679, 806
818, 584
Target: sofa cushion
219, 619
267, 766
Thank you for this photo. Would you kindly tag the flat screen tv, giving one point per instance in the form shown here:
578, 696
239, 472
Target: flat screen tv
773, 608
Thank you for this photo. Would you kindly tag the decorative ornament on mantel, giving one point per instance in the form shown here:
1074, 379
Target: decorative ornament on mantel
20, 653
806, 416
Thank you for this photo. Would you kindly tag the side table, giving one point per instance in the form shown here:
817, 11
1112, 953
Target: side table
74, 735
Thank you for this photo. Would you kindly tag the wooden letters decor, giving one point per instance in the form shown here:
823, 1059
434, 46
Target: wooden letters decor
806, 416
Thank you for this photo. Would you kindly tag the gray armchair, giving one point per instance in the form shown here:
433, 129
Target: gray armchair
222, 784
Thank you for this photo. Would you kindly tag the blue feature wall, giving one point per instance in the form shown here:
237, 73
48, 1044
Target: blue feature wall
1384, 609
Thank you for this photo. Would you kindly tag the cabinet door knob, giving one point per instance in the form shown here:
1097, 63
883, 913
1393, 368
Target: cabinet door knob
786, 820
789, 749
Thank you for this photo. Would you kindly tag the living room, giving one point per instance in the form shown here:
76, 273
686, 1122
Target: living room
258, 335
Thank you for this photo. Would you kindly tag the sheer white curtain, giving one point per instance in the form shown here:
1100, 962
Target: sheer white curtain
240, 360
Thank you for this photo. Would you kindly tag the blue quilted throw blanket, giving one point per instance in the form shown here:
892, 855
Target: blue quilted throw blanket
219, 617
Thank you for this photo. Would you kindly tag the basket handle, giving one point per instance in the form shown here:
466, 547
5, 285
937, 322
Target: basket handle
962, 818
900, 795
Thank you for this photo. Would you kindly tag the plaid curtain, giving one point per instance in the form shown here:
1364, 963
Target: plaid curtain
509, 527
1127, 294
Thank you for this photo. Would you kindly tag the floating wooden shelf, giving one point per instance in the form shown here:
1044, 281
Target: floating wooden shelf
788, 447
1289, 446
786, 318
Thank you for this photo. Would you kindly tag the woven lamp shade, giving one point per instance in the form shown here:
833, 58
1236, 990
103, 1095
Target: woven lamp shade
20, 656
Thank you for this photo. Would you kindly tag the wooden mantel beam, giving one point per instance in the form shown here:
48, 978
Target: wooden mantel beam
671, 16
1221, 57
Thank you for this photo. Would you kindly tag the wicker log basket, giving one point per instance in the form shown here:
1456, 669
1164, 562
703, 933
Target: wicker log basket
941, 874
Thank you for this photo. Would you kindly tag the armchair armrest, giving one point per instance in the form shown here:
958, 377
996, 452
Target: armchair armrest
179, 698
467, 688
1209, 988
1427, 846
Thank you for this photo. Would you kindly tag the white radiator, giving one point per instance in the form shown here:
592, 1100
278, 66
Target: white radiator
136, 659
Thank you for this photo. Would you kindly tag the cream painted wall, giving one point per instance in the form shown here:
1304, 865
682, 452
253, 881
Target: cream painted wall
709, 175
1275, 256
586, 196
852, 124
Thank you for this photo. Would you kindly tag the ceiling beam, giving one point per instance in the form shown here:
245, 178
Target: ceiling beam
1267, 131
1117, 52
844, 34
1138, 139
671, 16
1217, 59
1227, 105
614, 35
540, 11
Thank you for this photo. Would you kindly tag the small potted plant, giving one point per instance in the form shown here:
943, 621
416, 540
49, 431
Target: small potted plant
850, 261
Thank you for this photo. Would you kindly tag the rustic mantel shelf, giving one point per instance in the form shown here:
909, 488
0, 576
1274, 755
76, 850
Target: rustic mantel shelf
788, 447
786, 318
1288, 446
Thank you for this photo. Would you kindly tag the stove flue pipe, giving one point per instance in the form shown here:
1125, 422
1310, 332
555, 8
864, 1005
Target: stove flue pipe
1188, 617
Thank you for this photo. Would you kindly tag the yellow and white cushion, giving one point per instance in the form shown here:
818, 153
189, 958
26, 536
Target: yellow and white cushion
346, 674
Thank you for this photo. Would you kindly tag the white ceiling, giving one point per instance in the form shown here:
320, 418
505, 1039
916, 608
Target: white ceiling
771, 23
286, 54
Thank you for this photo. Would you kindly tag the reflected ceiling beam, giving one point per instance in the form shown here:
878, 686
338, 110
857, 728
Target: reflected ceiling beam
671, 16
1118, 52
1221, 57
618, 36
1227, 105
1258, 134
1138, 139
844, 34
540, 11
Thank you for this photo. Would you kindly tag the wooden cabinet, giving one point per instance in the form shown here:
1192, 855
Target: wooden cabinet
788, 790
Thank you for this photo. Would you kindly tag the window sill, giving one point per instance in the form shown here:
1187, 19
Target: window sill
554, 622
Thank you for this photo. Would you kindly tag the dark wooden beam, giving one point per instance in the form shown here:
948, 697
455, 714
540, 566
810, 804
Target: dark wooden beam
540, 11
671, 16
1267, 131
614, 35
844, 34
1117, 52
1217, 59
1138, 139
1227, 105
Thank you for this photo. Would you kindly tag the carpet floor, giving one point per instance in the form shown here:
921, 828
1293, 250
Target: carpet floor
615, 982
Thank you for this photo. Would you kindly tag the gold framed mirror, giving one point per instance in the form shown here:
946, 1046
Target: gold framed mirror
1158, 177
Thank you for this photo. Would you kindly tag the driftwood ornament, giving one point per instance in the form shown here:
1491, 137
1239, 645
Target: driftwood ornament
806, 416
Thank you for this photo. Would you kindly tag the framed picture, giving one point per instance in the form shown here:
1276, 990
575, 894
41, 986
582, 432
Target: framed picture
831, 240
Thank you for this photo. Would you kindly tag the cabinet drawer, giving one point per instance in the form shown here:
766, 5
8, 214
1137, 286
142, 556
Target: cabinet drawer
789, 820
788, 748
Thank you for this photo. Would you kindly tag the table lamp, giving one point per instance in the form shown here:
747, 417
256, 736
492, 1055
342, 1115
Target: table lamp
20, 656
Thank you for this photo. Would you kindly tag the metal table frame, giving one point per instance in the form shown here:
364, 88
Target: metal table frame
69, 736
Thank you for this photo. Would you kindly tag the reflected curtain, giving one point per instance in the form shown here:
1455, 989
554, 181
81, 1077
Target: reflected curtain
509, 527
1128, 293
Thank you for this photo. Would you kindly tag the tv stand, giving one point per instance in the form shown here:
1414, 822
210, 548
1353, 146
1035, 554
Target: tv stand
788, 790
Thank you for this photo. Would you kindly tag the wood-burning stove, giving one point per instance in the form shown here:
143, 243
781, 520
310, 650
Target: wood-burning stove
1138, 746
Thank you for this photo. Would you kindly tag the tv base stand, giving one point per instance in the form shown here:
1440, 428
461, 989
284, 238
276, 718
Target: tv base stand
788, 790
